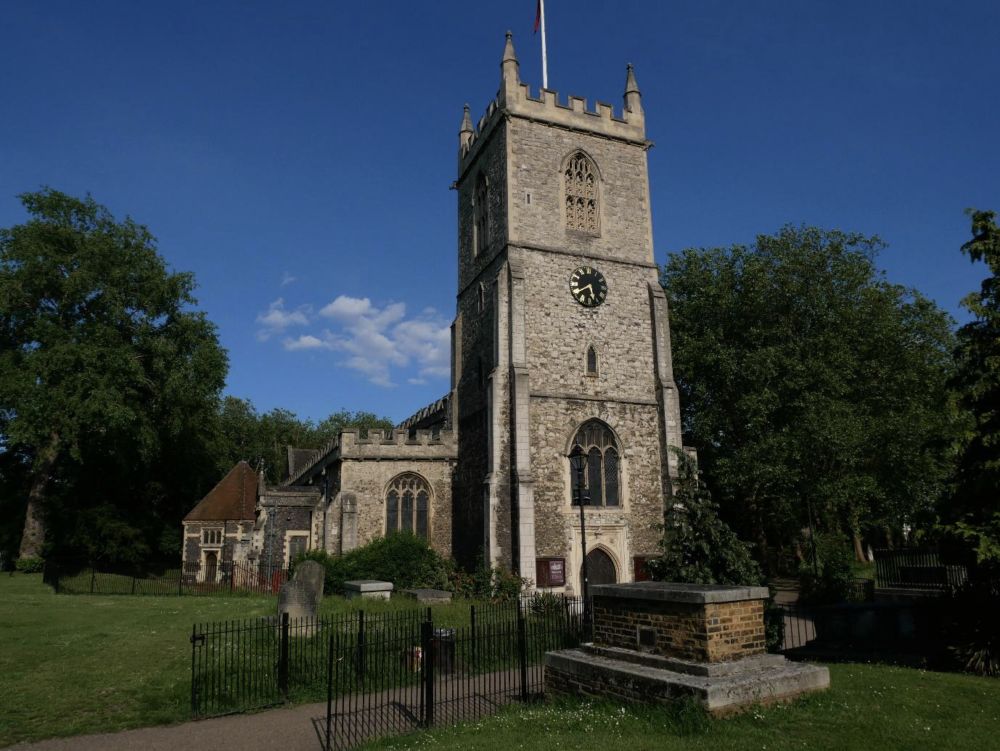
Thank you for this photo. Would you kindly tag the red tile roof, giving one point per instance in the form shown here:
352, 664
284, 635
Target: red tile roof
233, 498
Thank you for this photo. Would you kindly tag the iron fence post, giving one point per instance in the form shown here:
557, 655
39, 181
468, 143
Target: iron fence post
329, 690
522, 650
283, 658
194, 682
361, 647
427, 655
472, 616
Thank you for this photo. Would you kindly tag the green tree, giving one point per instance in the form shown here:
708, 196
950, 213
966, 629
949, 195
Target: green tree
974, 509
809, 383
344, 419
697, 545
104, 363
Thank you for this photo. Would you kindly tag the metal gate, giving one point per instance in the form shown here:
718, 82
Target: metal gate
397, 680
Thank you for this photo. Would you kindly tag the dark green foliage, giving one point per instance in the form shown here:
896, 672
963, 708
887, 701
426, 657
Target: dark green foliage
400, 557
262, 439
700, 548
807, 378
697, 545
836, 572
972, 515
486, 583
969, 618
32, 565
109, 380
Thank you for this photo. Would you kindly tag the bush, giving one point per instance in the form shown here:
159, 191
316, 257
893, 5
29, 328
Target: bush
31, 565
400, 557
700, 548
487, 583
968, 626
836, 580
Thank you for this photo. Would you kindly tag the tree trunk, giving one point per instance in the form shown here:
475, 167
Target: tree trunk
859, 550
34, 520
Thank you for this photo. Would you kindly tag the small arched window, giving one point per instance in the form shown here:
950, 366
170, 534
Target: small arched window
482, 297
480, 216
407, 505
591, 361
601, 481
581, 194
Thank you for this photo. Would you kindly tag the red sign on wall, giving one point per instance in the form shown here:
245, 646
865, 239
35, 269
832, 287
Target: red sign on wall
550, 572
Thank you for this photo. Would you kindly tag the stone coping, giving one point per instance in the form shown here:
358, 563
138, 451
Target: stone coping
677, 665
368, 585
428, 595
698, 594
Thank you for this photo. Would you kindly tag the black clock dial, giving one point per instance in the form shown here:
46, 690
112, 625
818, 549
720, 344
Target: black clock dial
589, 287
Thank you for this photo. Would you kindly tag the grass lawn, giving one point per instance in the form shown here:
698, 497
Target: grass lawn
868, 707
72, 664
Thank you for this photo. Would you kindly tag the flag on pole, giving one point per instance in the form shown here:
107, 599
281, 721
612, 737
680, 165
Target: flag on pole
538, 16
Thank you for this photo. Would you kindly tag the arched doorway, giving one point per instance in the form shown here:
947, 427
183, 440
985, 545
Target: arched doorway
211, 566
600, 568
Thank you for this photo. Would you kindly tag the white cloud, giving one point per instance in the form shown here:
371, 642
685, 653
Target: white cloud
277, 319
287, 279
376, 341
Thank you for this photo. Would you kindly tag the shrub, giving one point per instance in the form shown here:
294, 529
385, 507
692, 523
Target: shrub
30, 565
700, 548
968, 626
836, 579
400, 557
487, 583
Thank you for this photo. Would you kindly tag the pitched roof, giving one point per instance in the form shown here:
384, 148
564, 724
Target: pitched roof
233, 498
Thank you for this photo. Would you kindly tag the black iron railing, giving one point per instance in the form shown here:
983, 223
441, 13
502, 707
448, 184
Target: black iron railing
225, 578
916, 568
383, 672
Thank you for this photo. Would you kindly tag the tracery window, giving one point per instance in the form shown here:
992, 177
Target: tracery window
407, 505
212, 536
480, 216
581, 194
601, 478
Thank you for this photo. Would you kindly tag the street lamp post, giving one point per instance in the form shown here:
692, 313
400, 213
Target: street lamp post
578, 460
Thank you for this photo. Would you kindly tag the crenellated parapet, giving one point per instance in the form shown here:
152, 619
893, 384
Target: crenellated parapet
420, 444
515, 100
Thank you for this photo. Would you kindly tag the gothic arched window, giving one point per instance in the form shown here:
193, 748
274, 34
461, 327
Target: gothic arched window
591, 361
581, 194
601, 477
407, 505
480, 216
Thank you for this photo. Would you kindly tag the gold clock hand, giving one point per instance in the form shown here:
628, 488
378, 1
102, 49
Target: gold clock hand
590, 287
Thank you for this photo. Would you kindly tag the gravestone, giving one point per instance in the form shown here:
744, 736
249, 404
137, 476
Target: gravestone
368, 588
313, 574
298, 599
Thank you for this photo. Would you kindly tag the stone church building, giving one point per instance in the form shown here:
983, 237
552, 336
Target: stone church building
560, 338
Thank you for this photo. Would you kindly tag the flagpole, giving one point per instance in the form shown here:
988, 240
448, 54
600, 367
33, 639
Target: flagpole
545, 59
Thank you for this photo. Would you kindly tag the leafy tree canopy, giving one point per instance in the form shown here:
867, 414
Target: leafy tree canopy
104, 363
810, 382
974, 508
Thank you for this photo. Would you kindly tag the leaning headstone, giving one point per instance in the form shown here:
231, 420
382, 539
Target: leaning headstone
298, 599
314, 575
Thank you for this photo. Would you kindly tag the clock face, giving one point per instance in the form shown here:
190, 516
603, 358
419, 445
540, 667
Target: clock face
588, 286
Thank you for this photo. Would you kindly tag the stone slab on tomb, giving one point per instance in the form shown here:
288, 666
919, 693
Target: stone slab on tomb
429, 596
368, 588
658, 642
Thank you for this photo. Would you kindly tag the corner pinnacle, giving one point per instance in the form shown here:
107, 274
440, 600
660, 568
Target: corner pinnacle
631, 87
466, 122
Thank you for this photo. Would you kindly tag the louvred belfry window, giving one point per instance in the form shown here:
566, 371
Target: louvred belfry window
480, 213
407, 505
601, 476
581, 194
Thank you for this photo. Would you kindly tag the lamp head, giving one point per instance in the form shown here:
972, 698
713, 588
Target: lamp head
577, 458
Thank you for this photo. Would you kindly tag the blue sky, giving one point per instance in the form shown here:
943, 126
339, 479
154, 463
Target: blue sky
297, 156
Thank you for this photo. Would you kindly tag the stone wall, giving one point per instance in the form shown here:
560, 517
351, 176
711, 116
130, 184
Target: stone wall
711, 632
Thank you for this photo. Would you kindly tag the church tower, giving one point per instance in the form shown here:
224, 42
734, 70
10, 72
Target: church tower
560, 338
